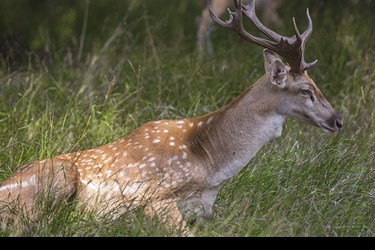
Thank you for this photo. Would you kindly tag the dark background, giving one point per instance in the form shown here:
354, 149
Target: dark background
41, 30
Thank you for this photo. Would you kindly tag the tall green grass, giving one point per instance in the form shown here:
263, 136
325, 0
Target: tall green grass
141, 65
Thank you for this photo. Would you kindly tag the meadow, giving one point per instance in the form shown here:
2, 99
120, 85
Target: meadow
96, 70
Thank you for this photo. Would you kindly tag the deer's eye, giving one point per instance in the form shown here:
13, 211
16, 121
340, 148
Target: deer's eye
305, 92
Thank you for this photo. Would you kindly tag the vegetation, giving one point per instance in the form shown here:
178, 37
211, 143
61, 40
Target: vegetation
78, 74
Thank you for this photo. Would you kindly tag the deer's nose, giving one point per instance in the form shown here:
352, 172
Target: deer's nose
339, 124
336, 122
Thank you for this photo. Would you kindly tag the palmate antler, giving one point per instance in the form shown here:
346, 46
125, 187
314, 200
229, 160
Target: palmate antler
292, 49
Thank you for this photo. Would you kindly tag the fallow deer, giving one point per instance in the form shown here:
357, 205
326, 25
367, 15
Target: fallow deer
270, 16
176, 167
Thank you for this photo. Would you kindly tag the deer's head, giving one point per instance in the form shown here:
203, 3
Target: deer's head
296, 94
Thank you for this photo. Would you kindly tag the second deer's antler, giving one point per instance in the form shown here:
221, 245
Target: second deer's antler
292, 49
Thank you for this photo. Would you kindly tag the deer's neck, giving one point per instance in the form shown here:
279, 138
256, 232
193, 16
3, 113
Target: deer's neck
229, 137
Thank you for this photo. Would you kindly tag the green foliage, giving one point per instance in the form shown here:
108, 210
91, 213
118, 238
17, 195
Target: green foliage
135, 61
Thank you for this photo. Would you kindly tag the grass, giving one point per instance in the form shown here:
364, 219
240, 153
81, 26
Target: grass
142, 66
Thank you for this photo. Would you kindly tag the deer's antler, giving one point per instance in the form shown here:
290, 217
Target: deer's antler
292, 49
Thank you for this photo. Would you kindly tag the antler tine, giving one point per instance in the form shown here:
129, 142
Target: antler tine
235, 23
226, 24
235, 19
301, 39
249, 11
305, 36
309, 29
296, 31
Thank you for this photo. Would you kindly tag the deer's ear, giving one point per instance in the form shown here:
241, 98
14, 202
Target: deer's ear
275, 68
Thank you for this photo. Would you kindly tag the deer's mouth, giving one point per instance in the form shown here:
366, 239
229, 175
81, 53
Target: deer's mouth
326, 128
333, 124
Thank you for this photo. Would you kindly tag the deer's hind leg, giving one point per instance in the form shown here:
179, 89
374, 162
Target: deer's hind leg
50, 181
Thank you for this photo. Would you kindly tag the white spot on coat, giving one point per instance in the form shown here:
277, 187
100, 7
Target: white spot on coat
152, 159
184, 155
